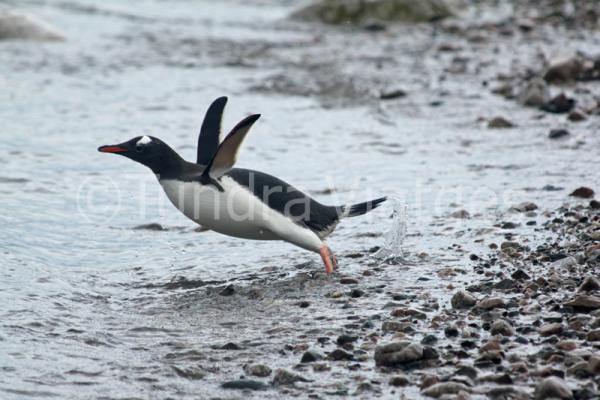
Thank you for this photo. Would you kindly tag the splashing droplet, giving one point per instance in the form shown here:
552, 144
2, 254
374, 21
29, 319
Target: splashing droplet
391, 251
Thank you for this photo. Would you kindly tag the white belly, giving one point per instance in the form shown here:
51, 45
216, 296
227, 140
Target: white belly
235, 212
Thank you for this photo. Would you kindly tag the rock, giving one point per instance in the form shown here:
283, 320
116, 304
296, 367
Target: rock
257, 370
451, 331
576, 116
584, 302
230, 346
524, 207
566, 345
310, 356
408, 312
153, 226
358, 12
558, 134
502, 327
535, 93
520, 275
392, 94
244, 384
589, 284
343, 339
593, 336
340, 355
500, 123
228, 290
489, 303
348, 281
445, 388
397, 353
399, 380
461, 214
192, 373
562, 263
552, 387
564, 70
283, 377
580, 370
429, 339
559, 104
551, 329
594, 362
583, 192
463, 299
595, 204
16, 25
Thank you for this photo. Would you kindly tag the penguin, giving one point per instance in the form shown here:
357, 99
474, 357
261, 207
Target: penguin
239, 202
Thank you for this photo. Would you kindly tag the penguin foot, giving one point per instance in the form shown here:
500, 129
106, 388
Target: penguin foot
328, 259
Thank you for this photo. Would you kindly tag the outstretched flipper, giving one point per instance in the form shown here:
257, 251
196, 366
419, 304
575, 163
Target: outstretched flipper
210, 132
227, 153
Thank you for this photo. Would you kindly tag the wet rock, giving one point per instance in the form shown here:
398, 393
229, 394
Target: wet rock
16, 25
244, 384
153, 226
284, 377
564, 70
310, 356
228, 290
502, 327
583, 192
500, 123
358, 12
348, 281
508, 225
408, 312
259, 370
489, 303
593, 336
399, 380
558, 134
552, 387
524, 207
580, 369
589, 284
230, 346
535, 93
340, 355
565, 262
551, 329
594, 362
192, 373
392, 94
445, 388
356, 293
559, 104
461, 214
595, 204
520, 275
429, 339
584, 302
451, 331
398, 353
463, 299
576, 116
343, 339
467, 370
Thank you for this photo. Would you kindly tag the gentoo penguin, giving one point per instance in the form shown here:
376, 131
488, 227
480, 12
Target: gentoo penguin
240, 202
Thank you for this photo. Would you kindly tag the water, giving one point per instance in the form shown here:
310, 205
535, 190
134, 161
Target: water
86, 308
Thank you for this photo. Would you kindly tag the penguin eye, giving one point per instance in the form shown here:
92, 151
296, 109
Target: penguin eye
139, 148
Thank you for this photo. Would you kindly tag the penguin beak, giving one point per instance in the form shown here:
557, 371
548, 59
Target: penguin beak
111, 149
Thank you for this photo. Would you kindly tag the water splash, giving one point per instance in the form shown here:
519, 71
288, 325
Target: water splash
391, 251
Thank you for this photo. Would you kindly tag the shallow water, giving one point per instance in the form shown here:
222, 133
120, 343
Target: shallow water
85, 305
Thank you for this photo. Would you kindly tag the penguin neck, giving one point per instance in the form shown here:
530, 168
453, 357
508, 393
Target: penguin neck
168, 165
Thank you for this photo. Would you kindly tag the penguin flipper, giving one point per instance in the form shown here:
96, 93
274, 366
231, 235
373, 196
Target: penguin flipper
227, 153
210, 132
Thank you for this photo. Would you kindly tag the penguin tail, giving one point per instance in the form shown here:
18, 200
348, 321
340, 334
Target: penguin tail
361, 208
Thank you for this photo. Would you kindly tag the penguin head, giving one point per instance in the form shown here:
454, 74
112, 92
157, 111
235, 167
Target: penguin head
147, 150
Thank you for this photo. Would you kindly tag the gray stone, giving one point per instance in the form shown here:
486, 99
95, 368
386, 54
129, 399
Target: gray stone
397, 353
552, 387
502, 327
534, 93
463, 299
445, 388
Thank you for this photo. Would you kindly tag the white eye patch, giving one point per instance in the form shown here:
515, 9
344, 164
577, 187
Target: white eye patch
144, 140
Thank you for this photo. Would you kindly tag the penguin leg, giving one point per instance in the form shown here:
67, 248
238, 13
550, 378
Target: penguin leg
328, 259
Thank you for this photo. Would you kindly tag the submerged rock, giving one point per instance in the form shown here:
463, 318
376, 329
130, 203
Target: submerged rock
16, 25
357, 12
244, 384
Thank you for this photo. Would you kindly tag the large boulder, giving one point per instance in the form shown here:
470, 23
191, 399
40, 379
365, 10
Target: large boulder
356, 12
17, 25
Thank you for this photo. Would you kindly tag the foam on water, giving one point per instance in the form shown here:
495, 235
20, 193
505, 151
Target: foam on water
394, 236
